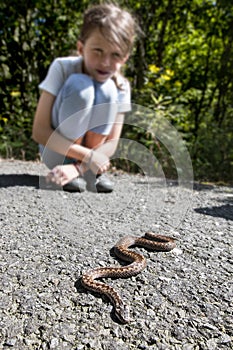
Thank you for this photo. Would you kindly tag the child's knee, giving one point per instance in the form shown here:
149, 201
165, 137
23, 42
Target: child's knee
107, 92
80, 85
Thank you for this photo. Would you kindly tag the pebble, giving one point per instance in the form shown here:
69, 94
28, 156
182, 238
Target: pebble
54, 343
182, 300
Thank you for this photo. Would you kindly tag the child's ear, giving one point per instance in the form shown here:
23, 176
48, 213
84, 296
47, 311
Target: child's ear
80, 47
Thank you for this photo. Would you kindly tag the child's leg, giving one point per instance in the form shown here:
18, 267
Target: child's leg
70, 115
103, 114
73, 106
101, 123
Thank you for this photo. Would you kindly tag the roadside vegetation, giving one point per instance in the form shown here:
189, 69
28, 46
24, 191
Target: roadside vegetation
181, 67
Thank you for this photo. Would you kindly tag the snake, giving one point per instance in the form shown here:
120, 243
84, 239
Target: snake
137, 263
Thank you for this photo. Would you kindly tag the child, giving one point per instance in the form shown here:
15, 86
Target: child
80, 113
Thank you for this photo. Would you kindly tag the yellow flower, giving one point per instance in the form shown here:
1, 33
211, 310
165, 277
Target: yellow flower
159, 80
15, 93
170, 72
165, 77
5, 120
178, 84
153, 68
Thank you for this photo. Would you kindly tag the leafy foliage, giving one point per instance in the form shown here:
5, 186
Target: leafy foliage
181, 68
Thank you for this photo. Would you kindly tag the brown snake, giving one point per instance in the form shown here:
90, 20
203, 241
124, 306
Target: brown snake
138, 263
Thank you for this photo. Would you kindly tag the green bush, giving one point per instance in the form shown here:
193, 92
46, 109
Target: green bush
181, 69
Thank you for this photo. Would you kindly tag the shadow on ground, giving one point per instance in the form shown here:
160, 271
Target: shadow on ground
11, 180
224, 211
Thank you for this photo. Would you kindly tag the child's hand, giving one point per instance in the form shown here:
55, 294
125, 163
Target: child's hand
62, 174
99, 162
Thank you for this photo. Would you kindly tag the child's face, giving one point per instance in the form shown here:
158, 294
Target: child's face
101, 59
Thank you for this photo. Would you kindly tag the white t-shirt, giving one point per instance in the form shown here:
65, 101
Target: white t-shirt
62, 67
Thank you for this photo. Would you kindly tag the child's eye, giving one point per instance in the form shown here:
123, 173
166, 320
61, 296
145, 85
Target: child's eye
117, 55
99, 51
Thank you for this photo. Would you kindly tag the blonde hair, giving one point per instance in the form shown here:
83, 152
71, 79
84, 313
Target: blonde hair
115, 24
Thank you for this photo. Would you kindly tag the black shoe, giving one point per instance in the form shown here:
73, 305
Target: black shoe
76, 185
104, 184
99, 183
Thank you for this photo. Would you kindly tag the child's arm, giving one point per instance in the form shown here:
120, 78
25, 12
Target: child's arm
110, 146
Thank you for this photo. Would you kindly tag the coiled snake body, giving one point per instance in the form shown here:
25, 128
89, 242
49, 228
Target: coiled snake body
137, 264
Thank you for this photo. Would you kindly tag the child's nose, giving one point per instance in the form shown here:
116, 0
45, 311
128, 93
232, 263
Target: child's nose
106, 60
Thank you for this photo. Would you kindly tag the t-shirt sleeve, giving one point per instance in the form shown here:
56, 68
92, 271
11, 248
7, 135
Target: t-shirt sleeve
124, 98
54, 79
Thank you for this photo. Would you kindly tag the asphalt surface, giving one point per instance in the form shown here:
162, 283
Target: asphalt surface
182, 300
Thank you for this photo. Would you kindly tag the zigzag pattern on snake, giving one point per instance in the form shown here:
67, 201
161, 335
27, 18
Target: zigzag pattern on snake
137, 264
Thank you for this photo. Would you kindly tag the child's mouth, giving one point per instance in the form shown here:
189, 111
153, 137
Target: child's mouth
103, 73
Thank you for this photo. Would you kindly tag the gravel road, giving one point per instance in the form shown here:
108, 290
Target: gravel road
182, 300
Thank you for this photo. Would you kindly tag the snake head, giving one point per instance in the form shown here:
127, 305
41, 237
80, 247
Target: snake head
122, 313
